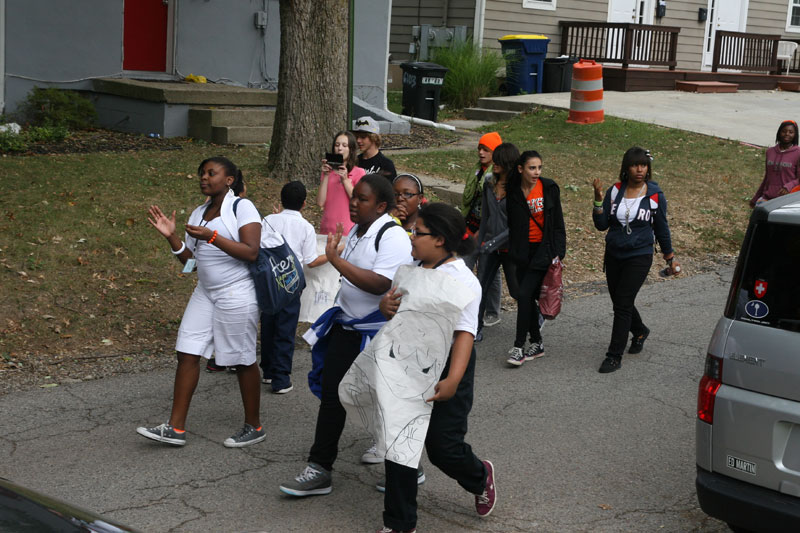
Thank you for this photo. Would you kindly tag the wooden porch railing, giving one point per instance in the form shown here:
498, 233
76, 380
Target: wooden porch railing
745, 51
629, 44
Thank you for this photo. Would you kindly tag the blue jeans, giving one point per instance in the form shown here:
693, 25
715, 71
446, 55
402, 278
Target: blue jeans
277, 344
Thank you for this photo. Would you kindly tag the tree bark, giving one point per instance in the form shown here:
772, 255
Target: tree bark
312, 87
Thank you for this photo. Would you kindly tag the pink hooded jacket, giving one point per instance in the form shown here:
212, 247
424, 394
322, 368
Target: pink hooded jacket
783, 171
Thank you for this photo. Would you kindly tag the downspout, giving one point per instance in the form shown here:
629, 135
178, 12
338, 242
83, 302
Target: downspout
446, 9
2, 56
350, 52
477, 26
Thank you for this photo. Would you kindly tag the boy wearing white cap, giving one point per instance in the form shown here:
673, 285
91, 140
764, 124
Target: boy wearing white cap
371, 159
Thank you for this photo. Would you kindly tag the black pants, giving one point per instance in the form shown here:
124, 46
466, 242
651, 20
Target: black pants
530, 285
343, 348
625, 277
446, 450
491, 265
277, 344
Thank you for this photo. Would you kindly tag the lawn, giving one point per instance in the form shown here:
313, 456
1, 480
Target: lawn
86, 279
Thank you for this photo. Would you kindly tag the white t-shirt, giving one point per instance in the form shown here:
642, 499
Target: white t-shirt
469, 316
215, 268
394, 250
628, 209
297, 231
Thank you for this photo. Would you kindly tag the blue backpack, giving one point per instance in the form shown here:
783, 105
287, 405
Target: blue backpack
277, 275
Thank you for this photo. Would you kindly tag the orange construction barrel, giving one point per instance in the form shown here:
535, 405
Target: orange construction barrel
586, 101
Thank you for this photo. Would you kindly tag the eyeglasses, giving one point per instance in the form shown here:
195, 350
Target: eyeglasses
406, 195
415, 233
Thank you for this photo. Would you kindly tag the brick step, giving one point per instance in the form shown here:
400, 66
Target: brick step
241, 134
706, 86
792, 86
492, 115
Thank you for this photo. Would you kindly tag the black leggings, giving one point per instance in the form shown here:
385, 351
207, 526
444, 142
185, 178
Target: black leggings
530, 285
625, 277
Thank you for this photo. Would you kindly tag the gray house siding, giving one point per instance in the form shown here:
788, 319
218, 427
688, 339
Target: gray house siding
503, 17
409, 13
66, 44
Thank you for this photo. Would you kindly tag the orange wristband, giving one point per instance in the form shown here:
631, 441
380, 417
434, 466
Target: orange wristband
211, 240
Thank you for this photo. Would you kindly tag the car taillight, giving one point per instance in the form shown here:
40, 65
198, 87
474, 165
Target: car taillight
709, 385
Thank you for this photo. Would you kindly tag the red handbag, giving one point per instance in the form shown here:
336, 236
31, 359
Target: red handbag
552, 291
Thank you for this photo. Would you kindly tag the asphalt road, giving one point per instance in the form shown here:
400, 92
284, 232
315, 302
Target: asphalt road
574, 450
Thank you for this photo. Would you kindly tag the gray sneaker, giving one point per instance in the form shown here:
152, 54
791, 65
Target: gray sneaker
515, 356
491, 320
381, 484
163, 433
313, 480
371, 455
534, 351
245, 437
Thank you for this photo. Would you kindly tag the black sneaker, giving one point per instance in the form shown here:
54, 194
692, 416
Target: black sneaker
610, 364
479, 336
638, 342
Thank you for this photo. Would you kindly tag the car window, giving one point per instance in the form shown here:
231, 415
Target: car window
768, 287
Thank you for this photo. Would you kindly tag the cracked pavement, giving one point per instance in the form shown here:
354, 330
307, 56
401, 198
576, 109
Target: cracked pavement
574, 450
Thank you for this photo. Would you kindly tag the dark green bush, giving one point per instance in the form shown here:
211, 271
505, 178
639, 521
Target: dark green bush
472, 73
12, 142
58, 108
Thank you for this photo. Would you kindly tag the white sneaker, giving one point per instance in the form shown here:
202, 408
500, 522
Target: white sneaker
491, 320
371, 455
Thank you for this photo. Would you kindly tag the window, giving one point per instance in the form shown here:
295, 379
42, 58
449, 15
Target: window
793, 16
551, 5
766, 291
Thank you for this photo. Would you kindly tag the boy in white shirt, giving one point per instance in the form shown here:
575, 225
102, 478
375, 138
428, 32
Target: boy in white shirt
278, 330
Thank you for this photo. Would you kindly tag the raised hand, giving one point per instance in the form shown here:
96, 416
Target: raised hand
598, 189
157, 219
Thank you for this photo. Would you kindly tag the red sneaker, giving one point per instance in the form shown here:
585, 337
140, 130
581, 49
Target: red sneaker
484, 503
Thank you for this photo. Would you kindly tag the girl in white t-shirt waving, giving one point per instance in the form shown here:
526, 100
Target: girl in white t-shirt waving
222, 236
439, 236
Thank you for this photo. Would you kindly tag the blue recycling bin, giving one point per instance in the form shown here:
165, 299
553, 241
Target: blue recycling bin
524, 62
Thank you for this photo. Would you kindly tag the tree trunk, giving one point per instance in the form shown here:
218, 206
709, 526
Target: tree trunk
312, 87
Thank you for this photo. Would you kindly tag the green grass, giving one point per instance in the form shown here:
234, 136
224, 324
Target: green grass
82, 268
83, 272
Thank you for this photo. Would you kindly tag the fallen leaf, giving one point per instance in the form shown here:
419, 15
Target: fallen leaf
129, 222
49, 385
48, 317
605, 507
107, 342
23, 273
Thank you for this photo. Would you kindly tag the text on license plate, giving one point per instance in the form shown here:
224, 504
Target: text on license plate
741, 465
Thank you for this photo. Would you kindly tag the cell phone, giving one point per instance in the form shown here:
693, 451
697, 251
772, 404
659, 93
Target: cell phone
334, 160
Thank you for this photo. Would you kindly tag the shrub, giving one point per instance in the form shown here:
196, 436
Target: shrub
472, 73
12, 142
58, 108
46, 133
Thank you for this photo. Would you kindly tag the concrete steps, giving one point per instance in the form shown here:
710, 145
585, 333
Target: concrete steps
232, 125
496, 109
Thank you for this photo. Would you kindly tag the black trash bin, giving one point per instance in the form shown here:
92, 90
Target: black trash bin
558, 74
422, 87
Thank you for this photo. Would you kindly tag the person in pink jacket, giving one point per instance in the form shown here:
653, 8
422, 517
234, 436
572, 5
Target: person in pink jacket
783, 165
337, 184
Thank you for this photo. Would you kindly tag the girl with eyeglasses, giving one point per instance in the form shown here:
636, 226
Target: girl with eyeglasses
438, 240
408, 194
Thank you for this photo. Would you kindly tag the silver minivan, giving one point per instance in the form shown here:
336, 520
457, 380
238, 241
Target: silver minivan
748, 404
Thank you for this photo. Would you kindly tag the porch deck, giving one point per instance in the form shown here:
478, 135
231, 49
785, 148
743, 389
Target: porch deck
653, 79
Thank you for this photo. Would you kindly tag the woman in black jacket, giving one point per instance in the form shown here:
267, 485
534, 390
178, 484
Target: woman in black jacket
634, 211
536, 236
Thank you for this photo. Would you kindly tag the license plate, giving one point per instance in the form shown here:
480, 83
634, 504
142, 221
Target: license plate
741, 465
432, 81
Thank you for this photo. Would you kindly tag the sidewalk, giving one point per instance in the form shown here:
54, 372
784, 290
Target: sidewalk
748, 116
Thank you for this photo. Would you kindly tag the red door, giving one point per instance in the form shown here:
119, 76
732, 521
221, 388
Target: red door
144, 41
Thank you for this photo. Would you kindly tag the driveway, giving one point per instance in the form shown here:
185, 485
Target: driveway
574, 450
748, 116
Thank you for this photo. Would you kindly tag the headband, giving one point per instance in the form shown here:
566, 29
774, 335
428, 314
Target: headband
411, 177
